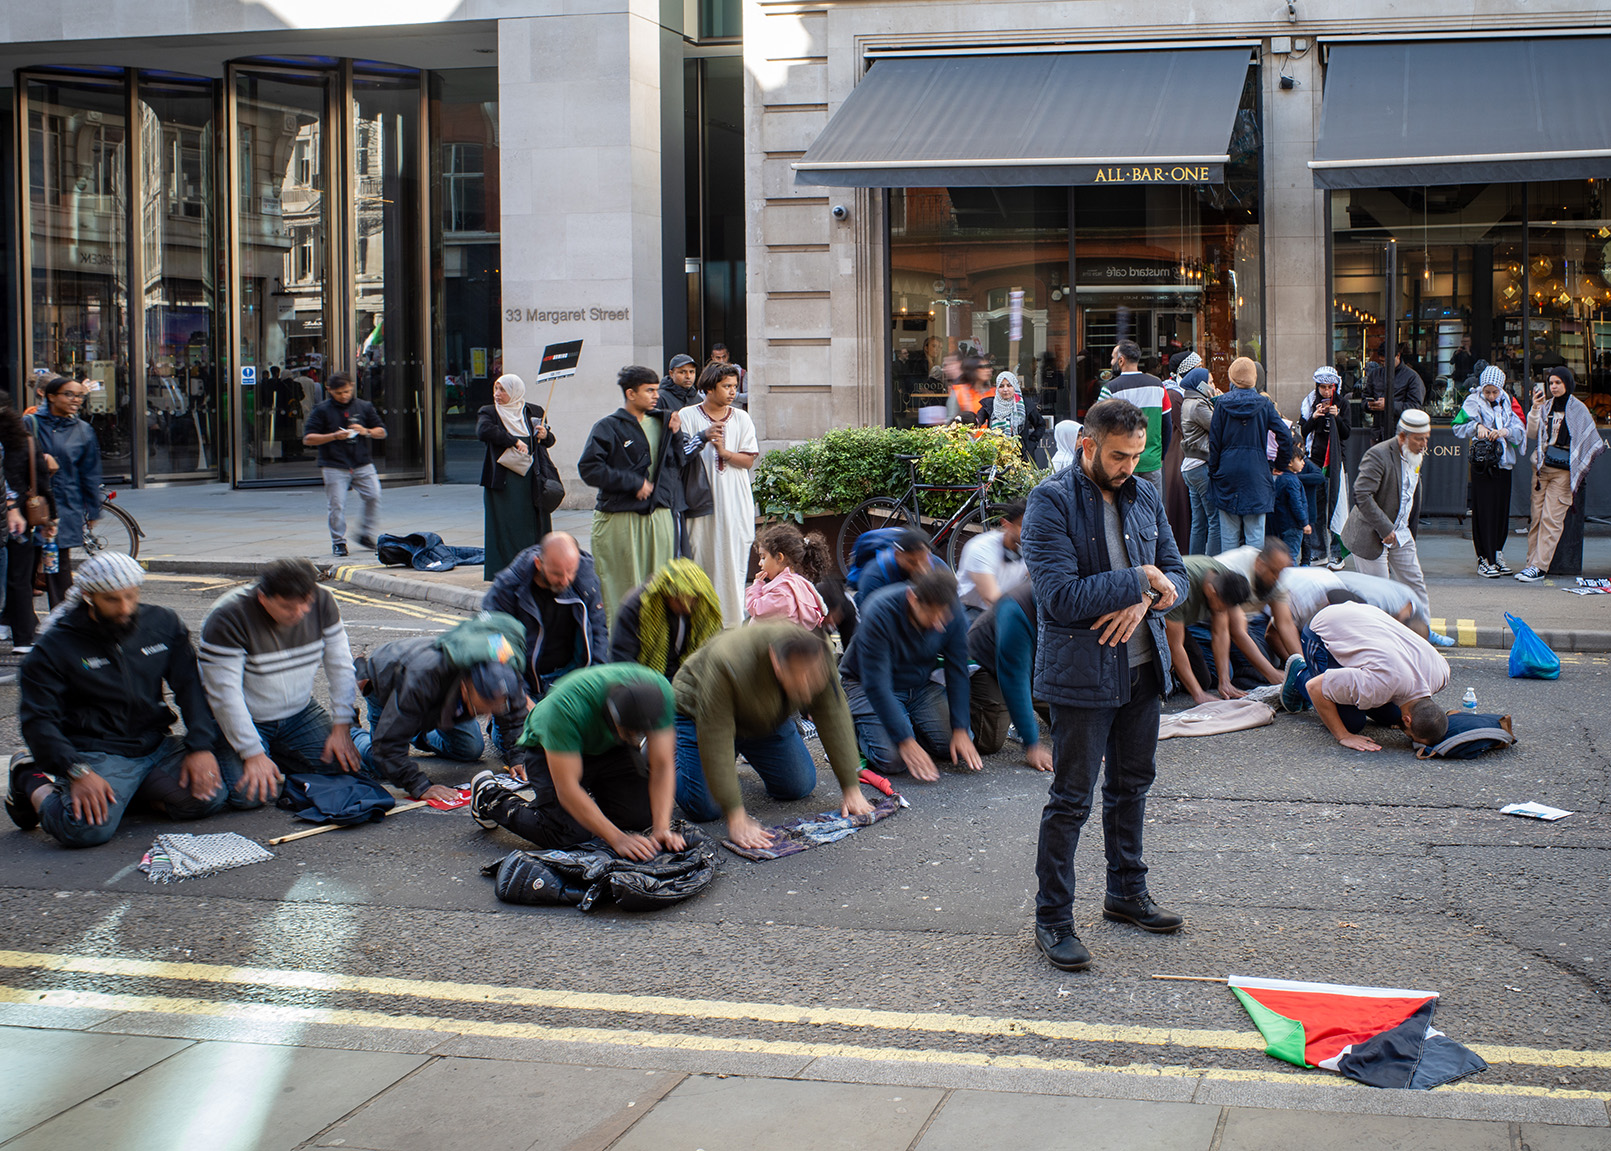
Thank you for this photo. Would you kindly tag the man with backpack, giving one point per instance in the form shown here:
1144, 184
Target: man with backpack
432, 692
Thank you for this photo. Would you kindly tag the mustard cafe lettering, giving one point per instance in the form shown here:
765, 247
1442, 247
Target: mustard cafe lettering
1156, 174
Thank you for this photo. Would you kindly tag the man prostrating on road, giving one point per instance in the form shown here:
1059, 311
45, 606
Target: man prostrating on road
1105, 570
588, 740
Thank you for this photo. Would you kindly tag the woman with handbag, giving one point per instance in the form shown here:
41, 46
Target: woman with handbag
721, 439
1497, 434
1567, 443
22, 463
521, 485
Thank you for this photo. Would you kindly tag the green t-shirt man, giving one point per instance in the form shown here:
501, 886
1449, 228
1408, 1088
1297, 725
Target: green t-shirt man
572, 717
1194, 609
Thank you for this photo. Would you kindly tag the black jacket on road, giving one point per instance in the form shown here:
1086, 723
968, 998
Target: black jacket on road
616, 461
83, 691
417, 688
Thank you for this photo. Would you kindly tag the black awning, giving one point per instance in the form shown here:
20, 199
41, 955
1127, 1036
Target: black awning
1463, 112
1161, 117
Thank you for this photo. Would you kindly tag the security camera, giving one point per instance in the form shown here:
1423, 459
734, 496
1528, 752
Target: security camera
840, 212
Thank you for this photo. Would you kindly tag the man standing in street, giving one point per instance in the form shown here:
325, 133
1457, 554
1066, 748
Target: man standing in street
677, 390
1105, 569
95, 717
1148, 393
1409, 390
552, 590
342, 428
1386, 515
631, 457
260, 647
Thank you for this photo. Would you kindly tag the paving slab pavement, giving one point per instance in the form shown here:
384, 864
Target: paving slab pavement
118, 1093
210, 528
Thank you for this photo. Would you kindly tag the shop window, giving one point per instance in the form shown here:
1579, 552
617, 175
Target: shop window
1508, 274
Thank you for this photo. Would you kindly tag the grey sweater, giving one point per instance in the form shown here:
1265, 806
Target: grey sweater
255, 671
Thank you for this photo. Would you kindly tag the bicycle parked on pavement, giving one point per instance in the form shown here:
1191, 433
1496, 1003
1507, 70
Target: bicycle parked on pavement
116, 530
976, 514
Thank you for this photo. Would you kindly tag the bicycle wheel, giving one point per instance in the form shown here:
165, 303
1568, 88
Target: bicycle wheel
982, 520
878, 512
114, 531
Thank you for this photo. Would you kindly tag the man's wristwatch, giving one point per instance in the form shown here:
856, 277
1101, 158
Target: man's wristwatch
1153, 595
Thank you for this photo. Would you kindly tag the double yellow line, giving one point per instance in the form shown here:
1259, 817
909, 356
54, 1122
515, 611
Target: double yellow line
927, 1023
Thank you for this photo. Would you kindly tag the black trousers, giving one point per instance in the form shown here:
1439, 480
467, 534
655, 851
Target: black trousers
21, 557
1490, 512
613, 779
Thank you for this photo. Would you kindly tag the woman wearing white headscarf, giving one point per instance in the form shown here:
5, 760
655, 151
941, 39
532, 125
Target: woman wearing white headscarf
515, 435
1012, 413
1487, 418
1066, 435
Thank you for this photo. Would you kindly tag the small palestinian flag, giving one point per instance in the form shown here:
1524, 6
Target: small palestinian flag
1381, 1036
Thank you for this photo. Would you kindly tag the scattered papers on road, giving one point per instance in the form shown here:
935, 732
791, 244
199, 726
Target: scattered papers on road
1535, 811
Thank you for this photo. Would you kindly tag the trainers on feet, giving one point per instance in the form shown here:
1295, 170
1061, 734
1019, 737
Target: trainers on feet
24, 779
338, 548
808, 730
1291, 697
485, 790
1500, 565
1335, 565
1529, 575
1062, 947
1486, 569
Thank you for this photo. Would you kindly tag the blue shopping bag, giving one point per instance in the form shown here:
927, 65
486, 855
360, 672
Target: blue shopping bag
1530, 657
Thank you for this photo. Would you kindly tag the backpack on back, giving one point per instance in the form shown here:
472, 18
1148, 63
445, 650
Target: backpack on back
490, 636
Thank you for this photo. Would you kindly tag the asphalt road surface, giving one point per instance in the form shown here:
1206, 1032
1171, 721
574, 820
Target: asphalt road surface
1290, 856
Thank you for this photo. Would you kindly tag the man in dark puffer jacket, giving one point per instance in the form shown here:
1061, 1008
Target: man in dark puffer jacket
1105, 569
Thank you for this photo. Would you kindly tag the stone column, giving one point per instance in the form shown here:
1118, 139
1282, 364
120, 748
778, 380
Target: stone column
580, 180
1297, 304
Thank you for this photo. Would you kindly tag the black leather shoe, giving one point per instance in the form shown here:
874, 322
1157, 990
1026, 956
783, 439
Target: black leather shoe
1142, 912
1062, 947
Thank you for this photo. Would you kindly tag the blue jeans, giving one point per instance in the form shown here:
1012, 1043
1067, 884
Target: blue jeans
1241, 669
1294, 541
153, 777
1238, 531
462, 743
927, 708
1083, 738
1316, 660
780, 759
1204, 518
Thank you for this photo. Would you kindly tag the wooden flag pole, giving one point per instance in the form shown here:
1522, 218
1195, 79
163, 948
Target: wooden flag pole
324, 827
1195, 978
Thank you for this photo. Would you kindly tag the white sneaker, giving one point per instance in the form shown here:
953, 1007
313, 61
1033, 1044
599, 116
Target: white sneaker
1529, 575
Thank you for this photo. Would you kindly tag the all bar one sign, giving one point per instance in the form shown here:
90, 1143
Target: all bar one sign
1155, 174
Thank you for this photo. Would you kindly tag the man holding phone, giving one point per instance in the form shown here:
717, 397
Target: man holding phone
342, 428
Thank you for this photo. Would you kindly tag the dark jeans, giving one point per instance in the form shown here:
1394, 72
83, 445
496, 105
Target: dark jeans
1127, 737
925, 706
781, 760
152, 778
462, 743
614, 779
1316, 660
295, 744
1243, 674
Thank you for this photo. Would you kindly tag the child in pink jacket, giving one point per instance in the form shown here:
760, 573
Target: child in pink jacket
784, 588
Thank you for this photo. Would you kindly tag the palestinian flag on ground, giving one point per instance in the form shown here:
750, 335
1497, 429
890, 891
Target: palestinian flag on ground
1381, 1036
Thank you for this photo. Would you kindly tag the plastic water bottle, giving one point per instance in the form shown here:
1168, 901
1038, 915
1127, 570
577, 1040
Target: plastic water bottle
53, 563
1469, 701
